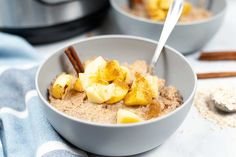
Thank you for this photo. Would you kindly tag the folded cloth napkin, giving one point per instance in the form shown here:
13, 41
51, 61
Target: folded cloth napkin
24, 129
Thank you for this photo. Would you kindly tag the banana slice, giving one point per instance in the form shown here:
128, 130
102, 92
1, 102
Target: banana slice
111, 71
140, 94
88, 80
187, 8
61, 85
157, 9
125, 116
127, 74
138, 97
93, 66
165, 4
99, 93
78, 85
151, 5
120, 91
153, 83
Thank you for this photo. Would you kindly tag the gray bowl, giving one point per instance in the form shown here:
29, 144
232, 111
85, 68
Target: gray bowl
119, 140
186, 37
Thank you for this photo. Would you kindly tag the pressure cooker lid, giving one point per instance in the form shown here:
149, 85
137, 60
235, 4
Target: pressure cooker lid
42, 13
48, 34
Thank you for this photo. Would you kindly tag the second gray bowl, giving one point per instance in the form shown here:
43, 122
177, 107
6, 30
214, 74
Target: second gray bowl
186, 37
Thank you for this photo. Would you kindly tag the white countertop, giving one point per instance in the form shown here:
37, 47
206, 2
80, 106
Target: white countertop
196, 137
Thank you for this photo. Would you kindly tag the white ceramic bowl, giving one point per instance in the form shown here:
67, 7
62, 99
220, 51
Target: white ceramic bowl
186, 37
119, 140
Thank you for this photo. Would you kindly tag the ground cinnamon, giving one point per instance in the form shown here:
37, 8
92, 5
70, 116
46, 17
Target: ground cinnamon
74, 59
220, 55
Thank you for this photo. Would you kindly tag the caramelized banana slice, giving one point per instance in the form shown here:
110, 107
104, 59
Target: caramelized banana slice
61, 85
157, 9
125, 116
138, 97
120, 91
140, 93
111, 71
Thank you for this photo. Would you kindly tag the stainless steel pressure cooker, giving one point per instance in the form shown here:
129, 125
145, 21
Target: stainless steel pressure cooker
44, 21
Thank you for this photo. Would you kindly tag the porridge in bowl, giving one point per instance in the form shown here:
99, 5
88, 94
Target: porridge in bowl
108, 92
156, 10
87, 135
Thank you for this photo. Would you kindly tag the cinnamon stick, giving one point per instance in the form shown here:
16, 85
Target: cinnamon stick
221, 55
215, 75
132, 3
74, 59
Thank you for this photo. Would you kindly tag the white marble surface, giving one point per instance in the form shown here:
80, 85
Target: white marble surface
196, 137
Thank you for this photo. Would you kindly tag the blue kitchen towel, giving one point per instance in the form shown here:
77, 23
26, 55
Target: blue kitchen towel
24, 129
15, 50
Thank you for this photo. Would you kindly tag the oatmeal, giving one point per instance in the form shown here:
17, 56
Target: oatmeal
204, 102
109, 101
156, 10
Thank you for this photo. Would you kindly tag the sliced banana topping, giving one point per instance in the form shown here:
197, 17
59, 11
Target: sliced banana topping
125, 117
61, 85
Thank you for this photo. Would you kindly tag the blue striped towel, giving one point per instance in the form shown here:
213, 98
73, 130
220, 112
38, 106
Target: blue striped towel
24, 129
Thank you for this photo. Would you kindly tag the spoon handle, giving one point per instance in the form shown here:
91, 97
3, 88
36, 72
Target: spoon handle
172, 18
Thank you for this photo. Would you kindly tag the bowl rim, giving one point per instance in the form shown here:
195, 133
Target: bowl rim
139, 19
86, 122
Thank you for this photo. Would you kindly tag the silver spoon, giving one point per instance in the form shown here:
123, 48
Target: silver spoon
172, 18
